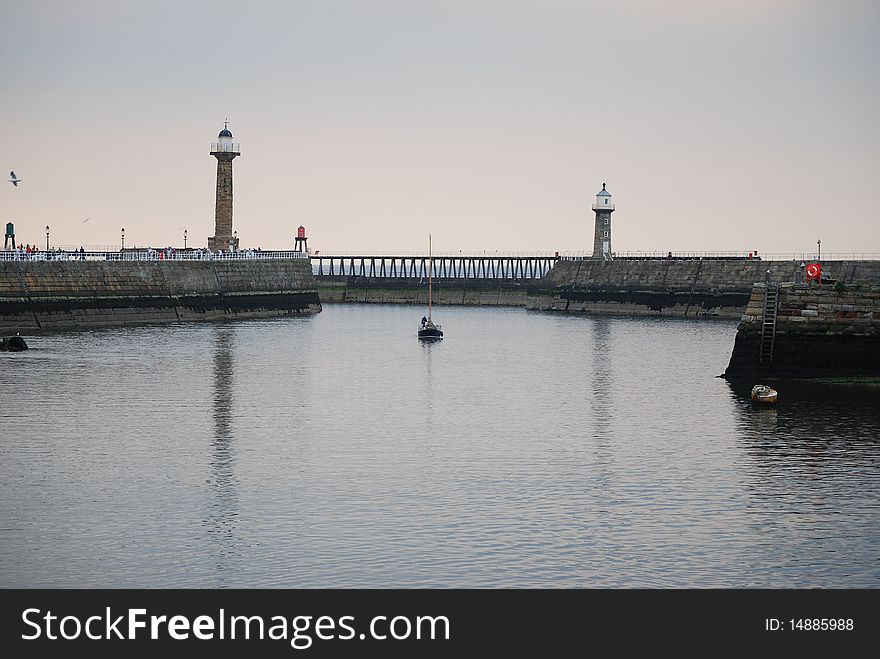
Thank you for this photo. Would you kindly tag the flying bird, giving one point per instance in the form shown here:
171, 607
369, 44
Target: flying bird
86, 220
14, 179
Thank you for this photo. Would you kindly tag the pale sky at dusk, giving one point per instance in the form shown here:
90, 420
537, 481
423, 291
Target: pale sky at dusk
727, 125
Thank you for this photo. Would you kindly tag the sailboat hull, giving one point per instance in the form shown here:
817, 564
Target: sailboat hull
430, 333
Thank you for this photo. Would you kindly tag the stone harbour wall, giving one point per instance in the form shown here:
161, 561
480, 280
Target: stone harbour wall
42, 295
676, 286
828, 331
405, 290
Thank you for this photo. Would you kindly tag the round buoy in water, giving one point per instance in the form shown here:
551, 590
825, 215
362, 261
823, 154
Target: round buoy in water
16, 344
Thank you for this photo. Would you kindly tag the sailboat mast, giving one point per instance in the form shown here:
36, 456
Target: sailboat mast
430, 275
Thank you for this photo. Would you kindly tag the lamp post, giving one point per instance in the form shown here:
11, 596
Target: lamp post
123, 237
47, 237
184, 239
235, 240
819, 245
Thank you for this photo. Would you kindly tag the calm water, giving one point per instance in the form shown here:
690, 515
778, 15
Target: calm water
525, 449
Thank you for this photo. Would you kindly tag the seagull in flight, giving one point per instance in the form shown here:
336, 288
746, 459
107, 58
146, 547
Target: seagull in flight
86, 220
14, 179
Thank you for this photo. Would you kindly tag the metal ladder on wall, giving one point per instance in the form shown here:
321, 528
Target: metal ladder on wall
22, 279
768, 322
174, 301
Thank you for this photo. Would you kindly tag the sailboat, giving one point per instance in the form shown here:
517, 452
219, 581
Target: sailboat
427, 329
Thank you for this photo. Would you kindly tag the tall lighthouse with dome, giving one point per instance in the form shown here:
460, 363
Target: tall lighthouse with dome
225, 151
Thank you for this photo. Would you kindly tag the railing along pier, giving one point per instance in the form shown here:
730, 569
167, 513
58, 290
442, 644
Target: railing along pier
148, 255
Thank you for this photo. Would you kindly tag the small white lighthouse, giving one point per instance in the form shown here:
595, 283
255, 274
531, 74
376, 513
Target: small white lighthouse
603, 207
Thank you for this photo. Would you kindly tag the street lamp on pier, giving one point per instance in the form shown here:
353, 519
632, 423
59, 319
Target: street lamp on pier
47, 237
184, 239
123, 237
819, 246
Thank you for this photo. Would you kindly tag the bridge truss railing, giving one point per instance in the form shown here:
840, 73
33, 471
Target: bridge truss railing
444, 266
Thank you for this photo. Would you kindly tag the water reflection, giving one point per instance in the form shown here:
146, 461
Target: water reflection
222, 391
813, 409
222, 519
601, 377
428, 348
823, 438
567, 452
601, 380
810, 473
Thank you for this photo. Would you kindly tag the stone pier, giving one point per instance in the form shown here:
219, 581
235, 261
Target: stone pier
829, 331
41, 295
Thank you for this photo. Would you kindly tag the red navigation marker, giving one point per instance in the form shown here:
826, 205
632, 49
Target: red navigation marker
814, 271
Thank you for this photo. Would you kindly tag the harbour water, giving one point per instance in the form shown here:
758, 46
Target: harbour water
523, 450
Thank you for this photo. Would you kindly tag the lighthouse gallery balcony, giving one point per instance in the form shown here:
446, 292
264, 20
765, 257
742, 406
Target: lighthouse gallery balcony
225, 147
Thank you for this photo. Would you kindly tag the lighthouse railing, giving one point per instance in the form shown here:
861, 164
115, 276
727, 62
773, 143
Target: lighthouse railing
225, 147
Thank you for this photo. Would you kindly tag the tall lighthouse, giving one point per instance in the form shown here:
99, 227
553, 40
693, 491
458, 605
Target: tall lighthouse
603, 207
225, 151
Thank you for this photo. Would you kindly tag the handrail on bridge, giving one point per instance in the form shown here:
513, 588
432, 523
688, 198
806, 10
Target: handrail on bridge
577, 255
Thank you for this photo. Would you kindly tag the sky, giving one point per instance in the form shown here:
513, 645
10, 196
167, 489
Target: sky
728, 125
